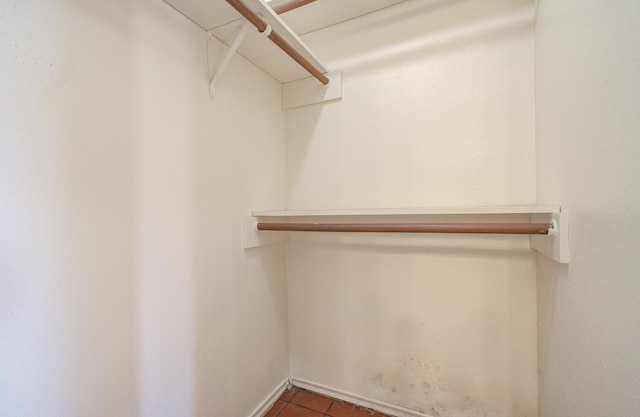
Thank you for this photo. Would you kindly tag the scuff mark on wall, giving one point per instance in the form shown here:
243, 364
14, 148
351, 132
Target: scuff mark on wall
419, 384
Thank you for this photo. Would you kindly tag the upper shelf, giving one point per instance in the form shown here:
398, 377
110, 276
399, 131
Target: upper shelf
223, 22
212, 14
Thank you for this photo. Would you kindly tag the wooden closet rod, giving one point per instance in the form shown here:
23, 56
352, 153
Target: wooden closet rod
290, 5
491, 228
275, 38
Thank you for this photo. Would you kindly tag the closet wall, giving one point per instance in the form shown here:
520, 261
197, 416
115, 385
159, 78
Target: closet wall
437, 110
587, 129
124, 289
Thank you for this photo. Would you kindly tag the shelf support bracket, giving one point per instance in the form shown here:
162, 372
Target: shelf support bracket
225, 62
556, 244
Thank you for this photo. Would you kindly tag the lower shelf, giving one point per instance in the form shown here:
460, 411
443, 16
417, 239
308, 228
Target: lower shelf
548, 226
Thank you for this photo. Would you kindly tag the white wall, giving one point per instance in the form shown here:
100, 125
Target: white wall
124, 289
587, 128
437, 110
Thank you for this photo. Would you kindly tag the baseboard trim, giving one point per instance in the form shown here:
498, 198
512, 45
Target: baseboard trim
356, 399
271, 399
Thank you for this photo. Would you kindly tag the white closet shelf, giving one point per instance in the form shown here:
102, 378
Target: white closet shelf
223, 22
550, 236
484, 210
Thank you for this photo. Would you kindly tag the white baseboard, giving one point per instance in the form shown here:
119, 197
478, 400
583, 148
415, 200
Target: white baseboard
271, 399
356, 399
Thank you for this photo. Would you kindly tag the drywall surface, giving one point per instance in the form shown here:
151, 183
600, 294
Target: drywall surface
437, 110
124, 290
587, 129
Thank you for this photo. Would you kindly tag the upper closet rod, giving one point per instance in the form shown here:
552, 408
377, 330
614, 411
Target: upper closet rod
491, 228
275, 38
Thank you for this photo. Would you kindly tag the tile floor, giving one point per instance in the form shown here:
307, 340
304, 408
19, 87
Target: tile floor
298, 402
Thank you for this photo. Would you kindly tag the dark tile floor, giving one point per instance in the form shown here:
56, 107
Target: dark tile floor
298, 402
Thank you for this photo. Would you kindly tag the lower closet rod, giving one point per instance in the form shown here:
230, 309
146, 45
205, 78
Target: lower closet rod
491, 228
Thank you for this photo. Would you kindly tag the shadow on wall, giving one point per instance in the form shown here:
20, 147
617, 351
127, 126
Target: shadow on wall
419, 30
549, 274
449, 246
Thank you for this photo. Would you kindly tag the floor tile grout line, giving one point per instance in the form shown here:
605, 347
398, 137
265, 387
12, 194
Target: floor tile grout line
327, 413
324, 414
